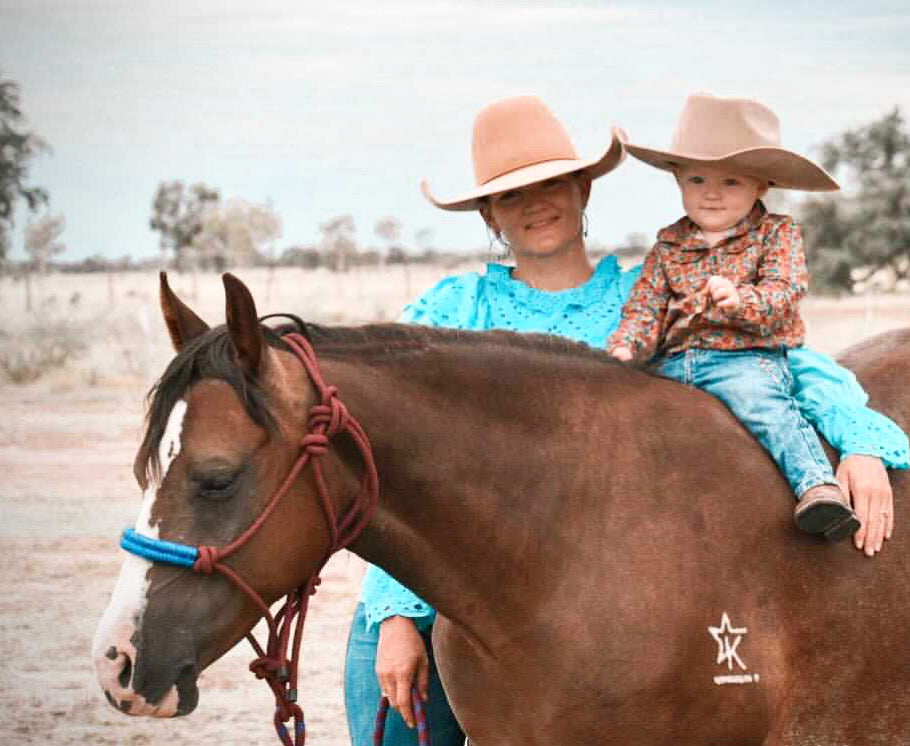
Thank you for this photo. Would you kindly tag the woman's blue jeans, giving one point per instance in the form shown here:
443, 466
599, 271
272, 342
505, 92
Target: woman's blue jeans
361, 695
755, 385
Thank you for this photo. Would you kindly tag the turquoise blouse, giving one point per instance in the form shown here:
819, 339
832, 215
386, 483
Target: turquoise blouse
827, 394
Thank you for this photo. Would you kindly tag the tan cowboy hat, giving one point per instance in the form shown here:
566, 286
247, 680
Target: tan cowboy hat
739, 134
518, 141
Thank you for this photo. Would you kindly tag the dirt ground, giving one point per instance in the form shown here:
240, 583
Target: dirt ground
67, 441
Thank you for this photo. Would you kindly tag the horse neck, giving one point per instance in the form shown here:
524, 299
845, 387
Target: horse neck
458, 435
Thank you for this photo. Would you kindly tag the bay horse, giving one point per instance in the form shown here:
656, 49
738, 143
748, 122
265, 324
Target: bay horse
612, 555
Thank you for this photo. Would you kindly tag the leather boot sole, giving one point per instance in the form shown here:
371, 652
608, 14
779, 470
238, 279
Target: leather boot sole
829, 517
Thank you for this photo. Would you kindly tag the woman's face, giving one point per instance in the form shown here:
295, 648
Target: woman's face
542, 218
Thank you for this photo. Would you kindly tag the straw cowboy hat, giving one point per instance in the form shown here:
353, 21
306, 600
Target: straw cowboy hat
518, 141
739, 134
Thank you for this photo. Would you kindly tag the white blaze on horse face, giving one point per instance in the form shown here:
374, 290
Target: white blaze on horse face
123, 614
169, 448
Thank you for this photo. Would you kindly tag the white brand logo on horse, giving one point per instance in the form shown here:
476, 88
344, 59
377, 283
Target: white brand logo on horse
728, 639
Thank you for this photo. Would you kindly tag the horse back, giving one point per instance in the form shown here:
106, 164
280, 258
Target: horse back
682, 604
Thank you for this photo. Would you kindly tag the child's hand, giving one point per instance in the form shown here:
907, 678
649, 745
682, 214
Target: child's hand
622, 353
723, 292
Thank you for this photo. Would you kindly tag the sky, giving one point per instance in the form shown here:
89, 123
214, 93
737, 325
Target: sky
326, 108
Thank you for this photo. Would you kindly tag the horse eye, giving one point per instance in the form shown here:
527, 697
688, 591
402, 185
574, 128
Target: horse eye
216, 484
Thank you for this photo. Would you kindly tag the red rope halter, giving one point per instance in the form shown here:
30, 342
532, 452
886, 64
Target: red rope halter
327, 418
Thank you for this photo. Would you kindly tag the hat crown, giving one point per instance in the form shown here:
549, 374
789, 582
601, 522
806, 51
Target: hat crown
711, 127
515, 133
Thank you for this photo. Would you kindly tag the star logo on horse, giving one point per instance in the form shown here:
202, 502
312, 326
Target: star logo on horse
728, 639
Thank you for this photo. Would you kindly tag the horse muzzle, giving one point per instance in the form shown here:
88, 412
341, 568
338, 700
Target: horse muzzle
133, 686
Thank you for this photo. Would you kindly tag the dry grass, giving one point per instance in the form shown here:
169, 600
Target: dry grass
67, 440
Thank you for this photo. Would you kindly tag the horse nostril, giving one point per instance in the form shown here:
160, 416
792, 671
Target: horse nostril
126, 672
111, 653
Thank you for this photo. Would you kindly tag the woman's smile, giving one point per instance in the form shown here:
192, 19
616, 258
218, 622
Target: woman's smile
541, 223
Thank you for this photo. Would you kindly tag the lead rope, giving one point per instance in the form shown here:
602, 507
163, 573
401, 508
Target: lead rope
423, 730
326, 419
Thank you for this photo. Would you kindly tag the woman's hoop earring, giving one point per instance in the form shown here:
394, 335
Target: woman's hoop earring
495, 238
584, 223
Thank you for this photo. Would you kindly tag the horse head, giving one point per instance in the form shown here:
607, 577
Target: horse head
226, 424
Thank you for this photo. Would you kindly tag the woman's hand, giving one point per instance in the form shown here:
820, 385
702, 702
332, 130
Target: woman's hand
402, 662
865, 481
622, 353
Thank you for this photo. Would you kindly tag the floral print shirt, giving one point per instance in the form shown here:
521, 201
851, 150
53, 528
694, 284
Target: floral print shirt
670, 310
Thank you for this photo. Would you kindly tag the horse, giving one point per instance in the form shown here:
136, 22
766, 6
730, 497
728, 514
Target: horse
611, 554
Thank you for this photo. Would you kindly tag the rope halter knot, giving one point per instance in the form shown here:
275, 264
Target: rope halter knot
315, 444
206, 561
331, 412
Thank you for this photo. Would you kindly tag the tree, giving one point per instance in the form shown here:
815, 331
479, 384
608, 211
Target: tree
41, 245
17, 148
865, 232
235, 233
177, 213
338, 243
41, 242
389, 230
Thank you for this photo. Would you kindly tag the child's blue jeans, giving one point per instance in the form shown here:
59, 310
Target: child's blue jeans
755, 385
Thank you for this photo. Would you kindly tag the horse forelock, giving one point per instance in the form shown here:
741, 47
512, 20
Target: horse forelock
209, 356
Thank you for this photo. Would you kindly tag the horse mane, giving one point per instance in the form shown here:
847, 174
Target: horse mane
388, 341
211, 356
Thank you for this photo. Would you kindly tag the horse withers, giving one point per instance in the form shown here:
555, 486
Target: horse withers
612, 555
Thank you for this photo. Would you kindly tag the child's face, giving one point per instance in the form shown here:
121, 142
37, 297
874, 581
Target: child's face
716, 199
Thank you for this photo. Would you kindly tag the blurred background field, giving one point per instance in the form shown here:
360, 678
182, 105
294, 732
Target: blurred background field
104, 329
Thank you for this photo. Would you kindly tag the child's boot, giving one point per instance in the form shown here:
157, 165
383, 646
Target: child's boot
825, 509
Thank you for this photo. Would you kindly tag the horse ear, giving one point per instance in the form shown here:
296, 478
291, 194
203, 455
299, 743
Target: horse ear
182, 324
243, 323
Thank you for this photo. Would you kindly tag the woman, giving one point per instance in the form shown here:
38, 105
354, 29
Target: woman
531, 191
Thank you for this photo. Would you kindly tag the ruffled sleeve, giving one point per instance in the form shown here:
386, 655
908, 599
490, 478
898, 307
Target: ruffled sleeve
454, 302
384, 597
831, 399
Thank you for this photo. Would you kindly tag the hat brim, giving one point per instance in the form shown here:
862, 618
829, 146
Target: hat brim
526, 175
781, 168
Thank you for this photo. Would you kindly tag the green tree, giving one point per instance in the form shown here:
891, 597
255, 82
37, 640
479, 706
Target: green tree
177, 213
17, 148
866, 230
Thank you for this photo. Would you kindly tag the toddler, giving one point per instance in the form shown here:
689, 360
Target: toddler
717, 300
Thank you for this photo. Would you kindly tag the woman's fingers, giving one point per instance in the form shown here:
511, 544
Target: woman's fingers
403, 700
865, 480
401, 663
423, 679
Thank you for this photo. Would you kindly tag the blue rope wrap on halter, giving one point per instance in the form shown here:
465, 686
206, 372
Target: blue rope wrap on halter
157, 550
